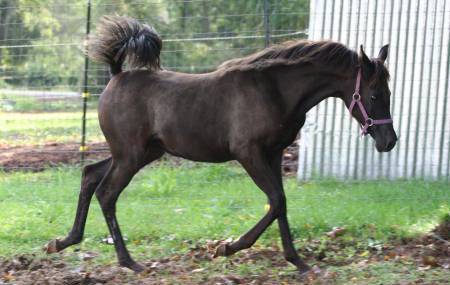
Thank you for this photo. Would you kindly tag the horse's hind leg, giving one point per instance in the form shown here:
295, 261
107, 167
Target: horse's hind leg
117, 178
92, 175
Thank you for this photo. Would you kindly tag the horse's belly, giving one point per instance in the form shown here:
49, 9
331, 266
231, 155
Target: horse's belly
205, 155
196, 148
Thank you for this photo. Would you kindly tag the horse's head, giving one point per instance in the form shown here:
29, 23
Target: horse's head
373, 99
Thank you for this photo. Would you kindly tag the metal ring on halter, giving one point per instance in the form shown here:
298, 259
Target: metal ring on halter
369, 122
356, 96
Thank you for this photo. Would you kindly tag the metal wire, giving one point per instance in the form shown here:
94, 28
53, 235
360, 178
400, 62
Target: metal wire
423, 150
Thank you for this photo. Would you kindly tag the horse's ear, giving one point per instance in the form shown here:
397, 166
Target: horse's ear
383, 53
365, 63
364, 59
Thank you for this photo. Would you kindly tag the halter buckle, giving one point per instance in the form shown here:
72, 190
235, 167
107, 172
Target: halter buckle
369, 122
356, 96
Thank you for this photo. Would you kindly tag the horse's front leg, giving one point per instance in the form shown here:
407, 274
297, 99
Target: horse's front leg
258, 167
290, 253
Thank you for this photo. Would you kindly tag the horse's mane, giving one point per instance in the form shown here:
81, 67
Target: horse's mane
296, 52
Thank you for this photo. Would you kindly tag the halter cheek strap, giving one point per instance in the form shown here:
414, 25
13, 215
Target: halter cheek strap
356, 100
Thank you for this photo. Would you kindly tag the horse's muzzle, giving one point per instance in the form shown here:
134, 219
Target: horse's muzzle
386, 141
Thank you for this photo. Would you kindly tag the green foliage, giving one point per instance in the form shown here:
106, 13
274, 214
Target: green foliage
42, 53
46, 37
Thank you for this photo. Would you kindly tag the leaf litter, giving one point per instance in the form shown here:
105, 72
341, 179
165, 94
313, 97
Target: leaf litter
328, 256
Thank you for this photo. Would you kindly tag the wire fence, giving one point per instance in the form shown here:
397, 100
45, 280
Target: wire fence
48, 92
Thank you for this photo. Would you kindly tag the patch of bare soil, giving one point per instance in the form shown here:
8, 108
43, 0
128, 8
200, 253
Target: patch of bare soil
197, 266
37, 158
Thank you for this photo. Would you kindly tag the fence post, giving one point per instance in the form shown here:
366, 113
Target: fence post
85, 94
266, 23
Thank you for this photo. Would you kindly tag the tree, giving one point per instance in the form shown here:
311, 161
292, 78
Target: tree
53, 31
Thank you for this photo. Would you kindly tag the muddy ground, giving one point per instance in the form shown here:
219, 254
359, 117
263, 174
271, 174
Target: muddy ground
197, 266
37, 158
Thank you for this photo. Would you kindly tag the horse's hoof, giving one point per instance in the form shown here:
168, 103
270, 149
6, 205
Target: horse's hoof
136, 267
51, 247
222, 250
308, 273
304, 269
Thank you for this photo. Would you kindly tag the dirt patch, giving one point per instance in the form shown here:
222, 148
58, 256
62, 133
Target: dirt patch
254, 266
188, 268
37, 158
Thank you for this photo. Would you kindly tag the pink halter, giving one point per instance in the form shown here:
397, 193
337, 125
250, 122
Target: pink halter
357, 101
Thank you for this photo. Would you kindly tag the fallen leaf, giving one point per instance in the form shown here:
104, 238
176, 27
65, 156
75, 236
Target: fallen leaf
392, 254
330, 275
429, 260
8, 277
155, 265
423, 268
337, 231
87, 255
364, 253
109, 240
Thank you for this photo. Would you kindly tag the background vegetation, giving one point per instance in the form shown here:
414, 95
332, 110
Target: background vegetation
41, 40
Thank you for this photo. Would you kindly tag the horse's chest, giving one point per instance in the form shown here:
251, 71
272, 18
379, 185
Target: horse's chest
285, 134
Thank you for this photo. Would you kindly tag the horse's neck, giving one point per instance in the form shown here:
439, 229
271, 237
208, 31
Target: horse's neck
304, 88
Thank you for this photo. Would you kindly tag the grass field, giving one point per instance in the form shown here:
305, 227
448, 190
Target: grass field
37, 128
25, 120
215, 201
165, 206
40, 103
167, 209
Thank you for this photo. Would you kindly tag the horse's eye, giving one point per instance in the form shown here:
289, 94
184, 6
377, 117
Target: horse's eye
373, 97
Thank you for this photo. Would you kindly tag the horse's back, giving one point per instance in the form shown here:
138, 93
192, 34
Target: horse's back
186, 113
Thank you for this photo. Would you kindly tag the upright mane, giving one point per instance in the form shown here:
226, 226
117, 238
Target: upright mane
296, 52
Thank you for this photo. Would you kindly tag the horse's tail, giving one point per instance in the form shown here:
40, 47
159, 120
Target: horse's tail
119, 39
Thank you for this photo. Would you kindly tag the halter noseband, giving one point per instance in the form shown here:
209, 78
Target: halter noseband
356, 100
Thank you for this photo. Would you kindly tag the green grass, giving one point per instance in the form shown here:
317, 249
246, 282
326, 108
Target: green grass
388, 273
164, 206
38, 128
27, 104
